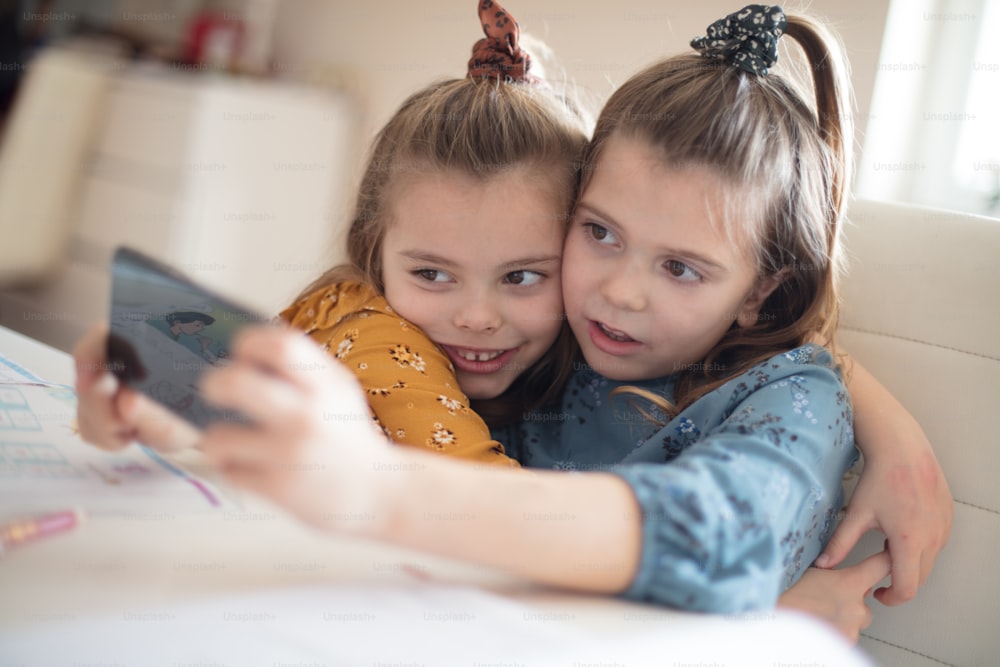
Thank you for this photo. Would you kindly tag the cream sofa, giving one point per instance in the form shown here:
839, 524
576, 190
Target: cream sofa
922, 312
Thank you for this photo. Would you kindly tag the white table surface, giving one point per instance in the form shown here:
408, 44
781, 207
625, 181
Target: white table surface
64, 598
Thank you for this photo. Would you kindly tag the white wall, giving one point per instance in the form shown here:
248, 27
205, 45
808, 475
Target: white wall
386, 50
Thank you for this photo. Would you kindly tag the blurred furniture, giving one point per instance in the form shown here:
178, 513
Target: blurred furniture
237, 182
922, 313
45, 142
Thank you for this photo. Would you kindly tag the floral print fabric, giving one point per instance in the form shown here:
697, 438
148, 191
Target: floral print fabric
738, 493
410, 383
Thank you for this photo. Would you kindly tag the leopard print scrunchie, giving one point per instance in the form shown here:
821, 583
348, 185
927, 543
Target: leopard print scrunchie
747, 39
498, 55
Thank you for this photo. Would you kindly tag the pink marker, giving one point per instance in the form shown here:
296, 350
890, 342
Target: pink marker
28, 530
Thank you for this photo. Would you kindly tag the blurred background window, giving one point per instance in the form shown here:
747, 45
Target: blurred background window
934, 125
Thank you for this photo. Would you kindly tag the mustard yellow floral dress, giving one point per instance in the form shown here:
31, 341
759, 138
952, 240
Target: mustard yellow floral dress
410, 381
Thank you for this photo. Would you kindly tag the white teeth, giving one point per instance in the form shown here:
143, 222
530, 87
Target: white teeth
479, 356
614, 335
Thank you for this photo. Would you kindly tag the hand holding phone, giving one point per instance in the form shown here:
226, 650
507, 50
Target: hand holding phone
166, 331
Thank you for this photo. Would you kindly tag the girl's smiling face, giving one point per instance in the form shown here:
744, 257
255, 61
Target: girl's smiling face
475, 263
650, 280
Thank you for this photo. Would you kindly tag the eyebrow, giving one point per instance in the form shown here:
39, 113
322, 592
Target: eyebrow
431, 258
685, 254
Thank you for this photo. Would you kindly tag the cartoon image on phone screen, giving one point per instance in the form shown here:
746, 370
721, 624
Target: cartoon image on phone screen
166, 331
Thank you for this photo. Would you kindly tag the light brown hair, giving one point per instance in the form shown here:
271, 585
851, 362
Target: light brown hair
789, 166
478, 127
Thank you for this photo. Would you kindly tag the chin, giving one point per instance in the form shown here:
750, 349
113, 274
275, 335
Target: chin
612, 369
481, 391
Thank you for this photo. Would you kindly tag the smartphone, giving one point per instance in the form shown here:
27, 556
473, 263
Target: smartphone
166, 331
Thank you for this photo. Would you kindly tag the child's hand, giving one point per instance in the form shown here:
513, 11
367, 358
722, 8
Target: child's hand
905, 495
312, 447
838, 596
902, 490
110, 416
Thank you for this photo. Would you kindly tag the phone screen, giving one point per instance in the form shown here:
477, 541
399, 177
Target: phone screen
166, 331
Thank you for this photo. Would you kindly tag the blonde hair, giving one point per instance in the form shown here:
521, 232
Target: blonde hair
790, 169
479, 127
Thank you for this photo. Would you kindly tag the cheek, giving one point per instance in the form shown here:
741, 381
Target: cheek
393, 289
417, 312
409, 302
700, 316
574, 272
545, 314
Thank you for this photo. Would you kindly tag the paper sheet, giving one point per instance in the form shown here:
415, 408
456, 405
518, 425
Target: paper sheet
45, 466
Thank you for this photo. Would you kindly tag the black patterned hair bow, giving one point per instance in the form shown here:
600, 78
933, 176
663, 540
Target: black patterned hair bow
747, 39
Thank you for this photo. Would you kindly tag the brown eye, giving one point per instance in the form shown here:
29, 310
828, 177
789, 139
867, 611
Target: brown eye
597, 232
681, 271
523, 277
431, 275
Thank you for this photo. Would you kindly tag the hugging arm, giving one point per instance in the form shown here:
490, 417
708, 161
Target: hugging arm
738, 516
409, 382
902, 490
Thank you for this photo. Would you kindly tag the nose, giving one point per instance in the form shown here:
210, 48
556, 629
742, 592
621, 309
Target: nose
623, 287
479, 314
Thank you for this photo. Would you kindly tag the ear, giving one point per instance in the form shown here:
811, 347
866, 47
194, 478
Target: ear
749, 312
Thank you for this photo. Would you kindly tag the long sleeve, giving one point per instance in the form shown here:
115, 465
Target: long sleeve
736, 517
738, 492
411, 385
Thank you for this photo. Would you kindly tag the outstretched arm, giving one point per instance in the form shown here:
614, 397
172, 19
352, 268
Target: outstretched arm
902, 490
314, 451
584, 531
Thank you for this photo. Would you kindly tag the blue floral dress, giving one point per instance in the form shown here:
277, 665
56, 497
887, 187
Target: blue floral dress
738, 493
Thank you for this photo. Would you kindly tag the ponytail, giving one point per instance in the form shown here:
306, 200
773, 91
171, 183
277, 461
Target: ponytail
786, 164
834, 100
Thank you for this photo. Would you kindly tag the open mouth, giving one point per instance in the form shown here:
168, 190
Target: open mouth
475, 360
473, 355
612, 341
614, 334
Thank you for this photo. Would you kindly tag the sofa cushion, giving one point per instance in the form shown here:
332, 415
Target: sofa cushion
921, 310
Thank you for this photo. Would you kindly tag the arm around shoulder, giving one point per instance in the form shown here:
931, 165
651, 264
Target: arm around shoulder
902, 490
409, 382
738, 515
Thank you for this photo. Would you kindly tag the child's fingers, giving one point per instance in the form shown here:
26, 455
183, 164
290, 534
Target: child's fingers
269, 401
236, 447
90, 357
219, 445
96, 419
926, 565
844, 538
238, 454
250, 479
906, 557
154, 425
287, 354
873, 569
96, 416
